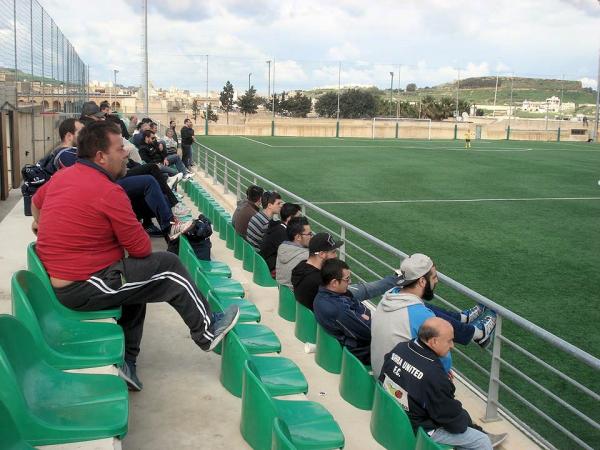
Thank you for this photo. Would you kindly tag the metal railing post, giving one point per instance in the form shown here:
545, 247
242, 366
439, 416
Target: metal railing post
239, 184
206, 163
215, 170
343, 247
225, 180
491, 409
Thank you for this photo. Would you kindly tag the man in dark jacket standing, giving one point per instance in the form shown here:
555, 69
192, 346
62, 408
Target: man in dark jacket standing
413, 373
187, 139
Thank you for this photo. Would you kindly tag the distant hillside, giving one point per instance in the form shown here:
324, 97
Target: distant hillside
480, 90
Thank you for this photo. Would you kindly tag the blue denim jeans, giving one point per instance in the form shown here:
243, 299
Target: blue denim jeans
175, 161
365, 291
146, 187
471, 439
186, 152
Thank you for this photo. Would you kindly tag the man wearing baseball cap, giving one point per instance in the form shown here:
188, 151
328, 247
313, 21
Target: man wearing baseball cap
402, 311
90, 112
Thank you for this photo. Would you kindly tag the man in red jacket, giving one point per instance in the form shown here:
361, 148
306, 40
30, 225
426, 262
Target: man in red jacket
85, 224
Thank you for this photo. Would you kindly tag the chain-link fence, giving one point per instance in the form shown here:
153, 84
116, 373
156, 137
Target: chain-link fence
42, 79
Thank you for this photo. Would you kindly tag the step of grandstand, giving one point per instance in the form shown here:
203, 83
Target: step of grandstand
183, 404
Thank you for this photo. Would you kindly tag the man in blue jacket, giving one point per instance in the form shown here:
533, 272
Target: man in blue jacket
339, 309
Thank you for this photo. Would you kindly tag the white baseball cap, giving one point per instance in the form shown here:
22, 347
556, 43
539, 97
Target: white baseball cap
413, 268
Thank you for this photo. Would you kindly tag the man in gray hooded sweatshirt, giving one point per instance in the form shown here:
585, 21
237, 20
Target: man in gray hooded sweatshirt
402, 310
292, 251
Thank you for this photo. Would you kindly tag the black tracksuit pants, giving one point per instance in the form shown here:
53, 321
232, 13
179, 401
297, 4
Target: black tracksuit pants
132, 283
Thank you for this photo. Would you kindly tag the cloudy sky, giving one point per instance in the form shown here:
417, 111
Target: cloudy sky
431, 39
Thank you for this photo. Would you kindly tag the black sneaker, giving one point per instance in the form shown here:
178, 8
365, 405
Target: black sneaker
223, 325
154, 231
128, 372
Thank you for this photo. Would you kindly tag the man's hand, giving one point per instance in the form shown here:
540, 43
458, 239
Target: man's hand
166, 162
34, 227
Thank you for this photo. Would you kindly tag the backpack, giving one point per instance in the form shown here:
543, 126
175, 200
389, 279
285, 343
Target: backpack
201, 230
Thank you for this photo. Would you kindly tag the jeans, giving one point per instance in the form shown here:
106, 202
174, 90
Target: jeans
186, 152
175, 160
147, 187
471, 439
364, 291
153, 169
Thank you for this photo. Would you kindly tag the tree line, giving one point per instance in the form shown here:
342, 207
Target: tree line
353, 104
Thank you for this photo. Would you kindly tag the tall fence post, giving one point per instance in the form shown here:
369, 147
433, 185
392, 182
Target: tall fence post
343, 247
508, 133
491, 409
225, 180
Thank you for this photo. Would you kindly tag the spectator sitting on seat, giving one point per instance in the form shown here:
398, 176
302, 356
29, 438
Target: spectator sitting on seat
404, 308
151, 153
143, 190
277, 233
108, 115
246, 209
291, 252
82, 244
90, 112
172, 125
271, 205
413, 374
339, 309
132, 127
170, 142
138, 138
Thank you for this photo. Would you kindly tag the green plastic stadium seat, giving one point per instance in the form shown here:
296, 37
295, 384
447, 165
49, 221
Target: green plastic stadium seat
287, 303
230, 243
281, 440
249, 253
329, 351
191, 261
35, 265
65, 343
306, 324
424, 442
51, 406
238, 247
309, 424
281, 376
224, 219
248, 310
357, 385
221, 286
258, 339
262, 274
389, 423
10, 436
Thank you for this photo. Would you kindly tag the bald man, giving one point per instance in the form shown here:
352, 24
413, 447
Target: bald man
414, 374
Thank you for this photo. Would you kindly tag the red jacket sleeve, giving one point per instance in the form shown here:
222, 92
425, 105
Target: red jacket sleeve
127, 229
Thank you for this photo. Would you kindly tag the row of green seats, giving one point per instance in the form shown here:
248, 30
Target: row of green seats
39, 403
275, 376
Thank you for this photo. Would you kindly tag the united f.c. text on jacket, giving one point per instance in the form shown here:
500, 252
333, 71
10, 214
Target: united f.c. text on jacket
346, 319
397, 319
289, 255
415, 376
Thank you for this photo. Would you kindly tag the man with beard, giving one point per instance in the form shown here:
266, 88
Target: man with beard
403, 310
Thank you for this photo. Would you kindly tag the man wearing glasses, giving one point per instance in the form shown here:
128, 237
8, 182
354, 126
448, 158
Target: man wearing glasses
339, 309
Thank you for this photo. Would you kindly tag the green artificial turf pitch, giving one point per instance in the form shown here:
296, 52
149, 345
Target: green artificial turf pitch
516, 221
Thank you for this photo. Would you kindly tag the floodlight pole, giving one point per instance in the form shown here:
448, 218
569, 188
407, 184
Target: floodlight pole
391, 91
145, 56
337, 123
512, 76
495, 96
273, 102
399, 77
457, 88
249, 75
269, 83
115, 72
207, 102
595, 137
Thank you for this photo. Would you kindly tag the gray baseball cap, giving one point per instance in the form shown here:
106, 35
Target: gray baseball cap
413, 268
91, 109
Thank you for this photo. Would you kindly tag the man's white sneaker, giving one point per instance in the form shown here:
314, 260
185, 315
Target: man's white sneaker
487, 324
180, 210
188, 175
178, 228
172, 181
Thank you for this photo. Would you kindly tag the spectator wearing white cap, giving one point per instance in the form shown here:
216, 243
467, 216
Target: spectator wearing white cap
402, 311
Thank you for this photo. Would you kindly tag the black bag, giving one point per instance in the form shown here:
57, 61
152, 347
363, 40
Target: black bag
201, 230
34, 175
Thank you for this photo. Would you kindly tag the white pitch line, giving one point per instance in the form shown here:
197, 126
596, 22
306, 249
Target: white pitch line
258, 142
468, 200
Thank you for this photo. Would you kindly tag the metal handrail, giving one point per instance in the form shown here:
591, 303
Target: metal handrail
232, 174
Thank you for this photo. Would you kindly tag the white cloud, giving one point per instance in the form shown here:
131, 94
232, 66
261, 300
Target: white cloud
589, 82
